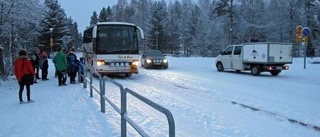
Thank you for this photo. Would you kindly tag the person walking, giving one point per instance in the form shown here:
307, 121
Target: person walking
44, 67
23, 67
61, 64
72, 66
38, 61
81, 68
35, 64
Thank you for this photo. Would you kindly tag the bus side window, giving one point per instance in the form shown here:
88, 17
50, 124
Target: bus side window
87, 36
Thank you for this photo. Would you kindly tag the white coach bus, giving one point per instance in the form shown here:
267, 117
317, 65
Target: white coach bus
112, 48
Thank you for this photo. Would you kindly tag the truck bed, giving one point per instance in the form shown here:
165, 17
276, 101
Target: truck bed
267, 53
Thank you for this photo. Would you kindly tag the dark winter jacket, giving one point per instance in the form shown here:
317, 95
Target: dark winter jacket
45, 64
72, 62
27, 67
81, 65
37, 60
34, 63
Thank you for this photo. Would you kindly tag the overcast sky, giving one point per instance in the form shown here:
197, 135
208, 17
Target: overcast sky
81, 10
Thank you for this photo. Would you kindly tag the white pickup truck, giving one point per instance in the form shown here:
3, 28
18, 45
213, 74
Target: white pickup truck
256, 57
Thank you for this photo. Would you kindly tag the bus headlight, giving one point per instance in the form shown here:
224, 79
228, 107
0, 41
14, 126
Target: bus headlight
135, 62
149, 61
100, 62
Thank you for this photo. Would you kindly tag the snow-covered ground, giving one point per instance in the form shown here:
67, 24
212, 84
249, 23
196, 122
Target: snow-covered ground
203, 101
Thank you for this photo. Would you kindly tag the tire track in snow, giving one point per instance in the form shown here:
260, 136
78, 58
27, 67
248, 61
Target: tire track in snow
197, 115
277, 115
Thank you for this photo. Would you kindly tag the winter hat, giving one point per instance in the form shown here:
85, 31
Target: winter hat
73, 49
44, 54
22, 53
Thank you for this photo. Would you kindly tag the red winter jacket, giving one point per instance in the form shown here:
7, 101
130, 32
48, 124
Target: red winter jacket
27, 68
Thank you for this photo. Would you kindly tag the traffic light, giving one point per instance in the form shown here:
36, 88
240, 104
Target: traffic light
299, 33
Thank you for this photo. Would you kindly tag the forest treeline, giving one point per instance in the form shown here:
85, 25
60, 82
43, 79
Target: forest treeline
202, 27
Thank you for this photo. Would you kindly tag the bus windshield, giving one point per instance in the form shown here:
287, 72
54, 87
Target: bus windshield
116, 39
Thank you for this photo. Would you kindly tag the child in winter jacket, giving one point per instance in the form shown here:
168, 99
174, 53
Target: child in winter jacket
35, 63
44, 66
81, 68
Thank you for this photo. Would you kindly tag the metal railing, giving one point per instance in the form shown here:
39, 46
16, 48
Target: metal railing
123, 106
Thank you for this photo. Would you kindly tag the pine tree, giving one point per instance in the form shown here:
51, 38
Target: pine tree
73, 38
103, 15
174, 27
119, 10
55, 19
157, 34
314, 22
109, 15
225, 8
94, 18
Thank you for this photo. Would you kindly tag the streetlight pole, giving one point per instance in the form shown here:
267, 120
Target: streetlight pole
231, 22
51, 40
157, 33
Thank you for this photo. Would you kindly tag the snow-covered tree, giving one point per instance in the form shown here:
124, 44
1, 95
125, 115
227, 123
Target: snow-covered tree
158, 38
313, 14
253, 20
94, 18
103, 15
119, 10
73, 38
109, 14
17, 18
206, 27
174, 27
141, 18
55, 19
185, 38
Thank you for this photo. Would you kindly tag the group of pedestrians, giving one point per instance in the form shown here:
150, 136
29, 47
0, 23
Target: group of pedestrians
40, 61
66, 64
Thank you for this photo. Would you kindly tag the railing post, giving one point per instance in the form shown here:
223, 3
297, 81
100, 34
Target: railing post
102, 93
85, 77
123, 111
91, 94
79, 74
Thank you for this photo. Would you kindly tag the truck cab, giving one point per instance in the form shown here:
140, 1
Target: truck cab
230, 58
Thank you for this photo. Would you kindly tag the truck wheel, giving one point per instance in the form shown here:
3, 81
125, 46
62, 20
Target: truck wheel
275, 72
219, 67
255, 70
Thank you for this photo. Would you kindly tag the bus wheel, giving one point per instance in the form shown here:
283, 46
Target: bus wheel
95, 75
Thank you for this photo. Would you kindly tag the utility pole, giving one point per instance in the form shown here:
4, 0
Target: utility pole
157, 39
51, 40
231, 22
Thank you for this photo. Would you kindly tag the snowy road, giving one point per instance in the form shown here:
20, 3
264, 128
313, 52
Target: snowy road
200, 99
203, 101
